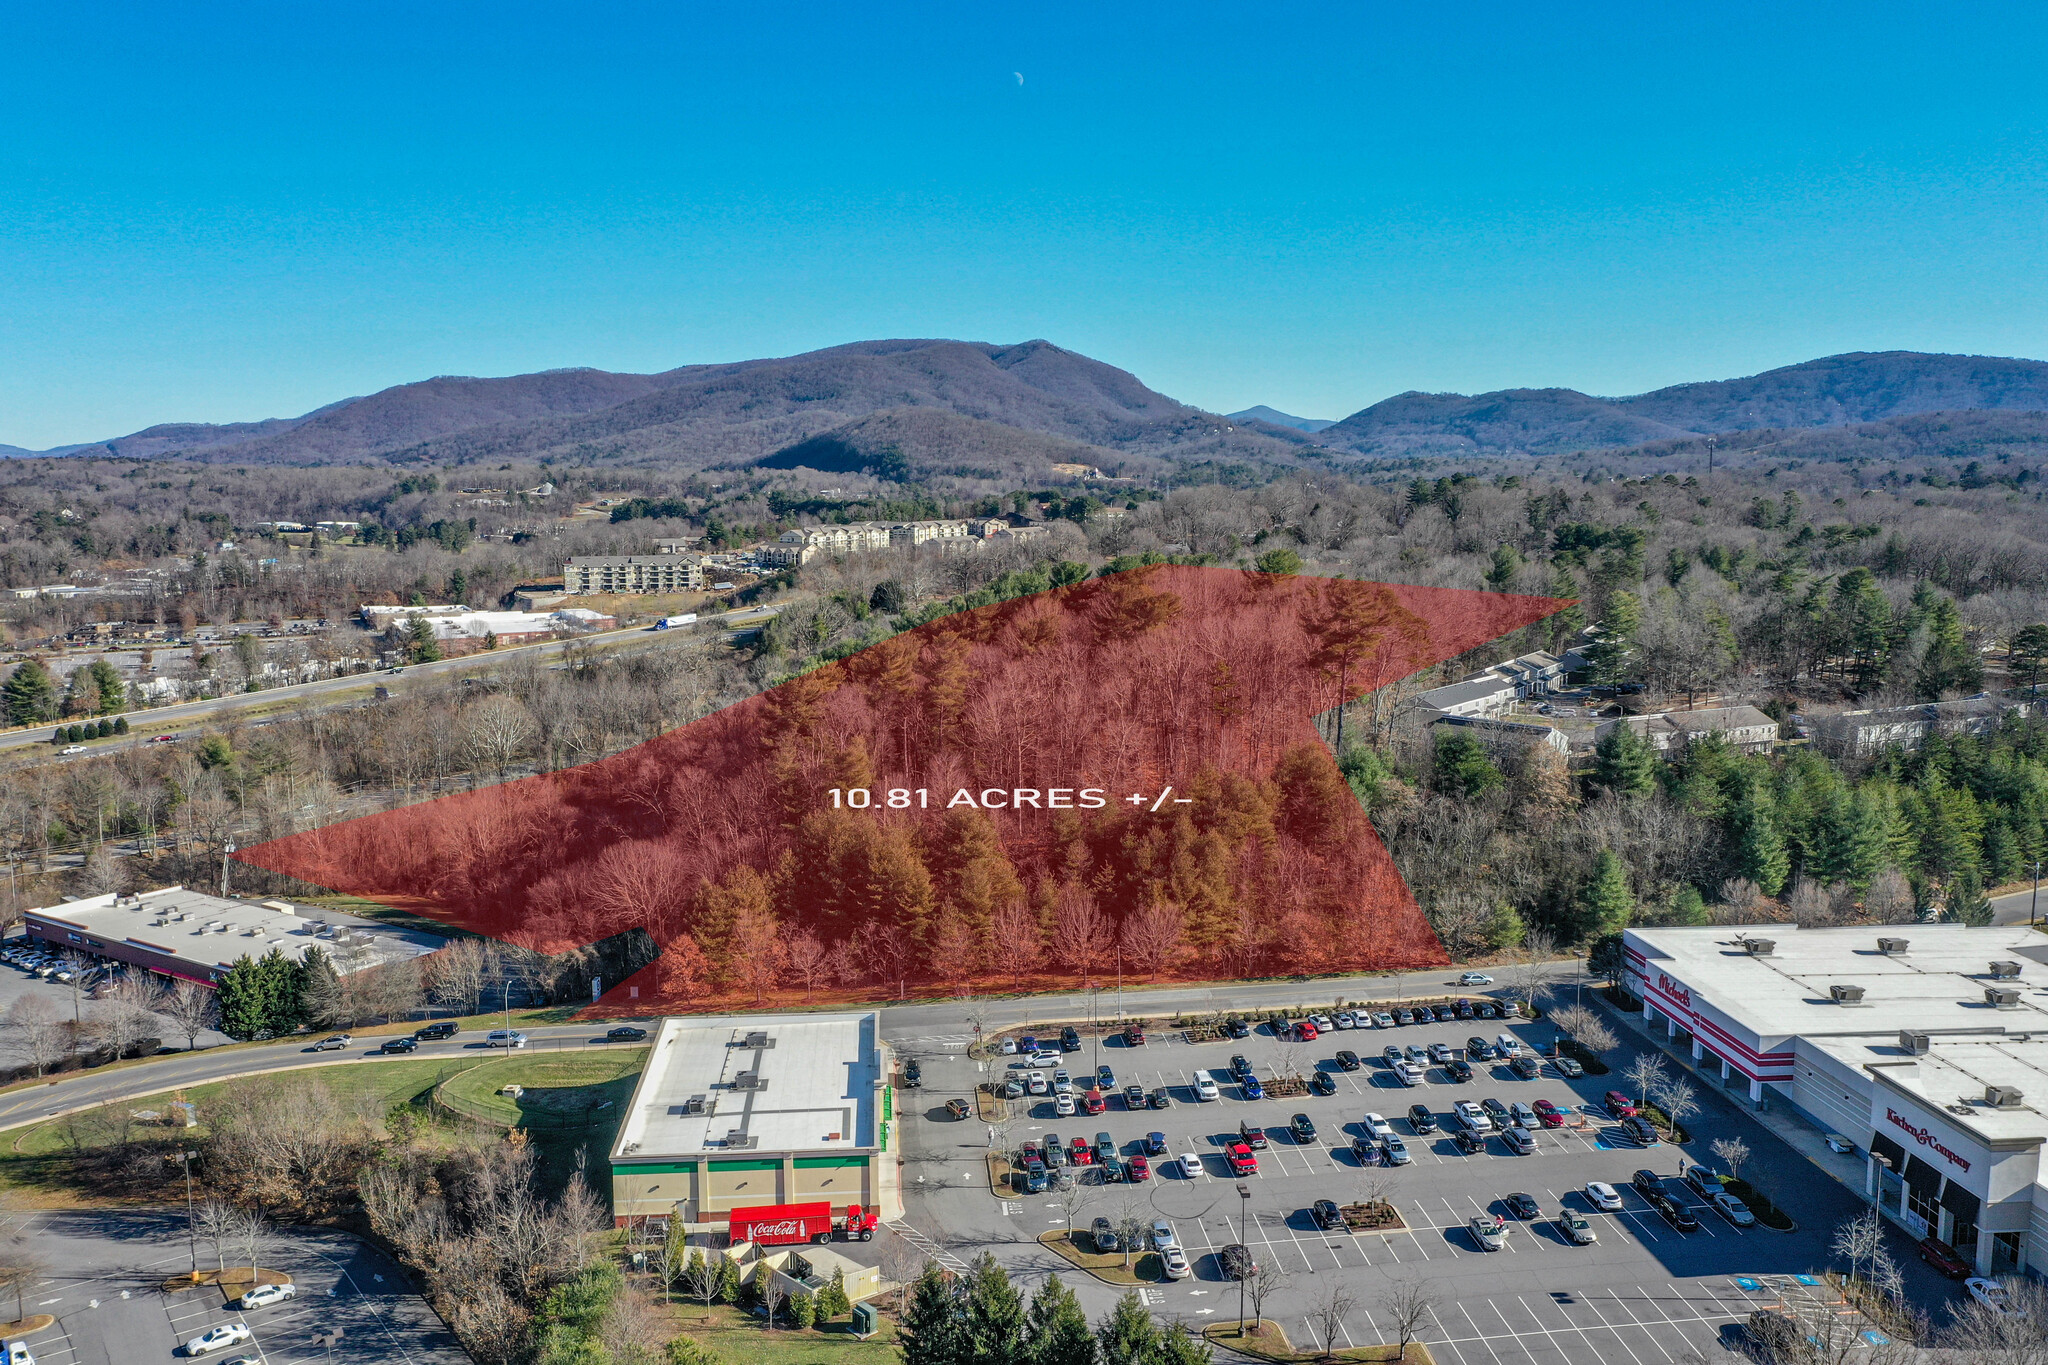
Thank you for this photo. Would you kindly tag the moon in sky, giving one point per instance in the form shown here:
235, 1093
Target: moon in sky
1019, 75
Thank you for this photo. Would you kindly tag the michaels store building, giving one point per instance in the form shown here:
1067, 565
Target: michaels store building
1925, 1045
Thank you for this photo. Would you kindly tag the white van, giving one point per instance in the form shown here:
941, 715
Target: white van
1410, 1073
505, 1037
1508, 1046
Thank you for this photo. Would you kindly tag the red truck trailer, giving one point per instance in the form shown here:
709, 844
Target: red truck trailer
772, 1225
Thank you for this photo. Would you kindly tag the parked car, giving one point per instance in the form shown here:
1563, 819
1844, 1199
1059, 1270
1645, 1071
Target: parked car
1112, 1169
1404, 1016
1523, 1205
625, 1033
1013, 1087
1251, 1087
1133, 1036
1323, 1083
1043, 1058
1383, 1019
1253, 1135
1647, 1182
1055, 1152
1155, 1143
1241, 1160
1943, 1258
1576, 1228
1458, 1070
1992, 1295
1568, 1068
1445, 1013
1603, 1197
1302, 1127
1376, 1126
1094, 1102
1236, 1262
1527, 1067
264, 1294
957, 1108
1507, 1045
913, 1075
1105, 1238
1486, 1009
1190, 1165
1495, 1110
1439, 1052
1465, 1010
1474, 1118
1733, 1209
1325, 1214
1394, 1151
1136, 1167
1035, 1082
1070, 1040
1063, 1105
1676, 1214
1520, 1141
1523, 1115
1477, 1049
1238, 1028
1705, 1182
1134, 1096
1160, 1099
1307, 1031
1062, 1081
1348, 1060
1421, 1119
1205, 1086
1365, 1151
1323, 1023
1548, 1114
1619, 1105
1104, 1077
1489, 1233
1176, 1262
1468, 1142
1161, 1235
1345, 1019
1639, 1131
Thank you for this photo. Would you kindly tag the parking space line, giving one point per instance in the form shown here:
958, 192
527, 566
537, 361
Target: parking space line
1477, 1333
1593, 1303
1639, 1322
1444, 1337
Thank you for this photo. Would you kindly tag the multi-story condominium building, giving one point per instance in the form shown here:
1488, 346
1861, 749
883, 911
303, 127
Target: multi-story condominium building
633, 574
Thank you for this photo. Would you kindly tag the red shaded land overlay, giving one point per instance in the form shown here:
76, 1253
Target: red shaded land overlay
721, 839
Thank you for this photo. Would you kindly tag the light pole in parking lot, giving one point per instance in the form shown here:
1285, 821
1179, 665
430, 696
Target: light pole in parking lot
1244, 1195
184, 1159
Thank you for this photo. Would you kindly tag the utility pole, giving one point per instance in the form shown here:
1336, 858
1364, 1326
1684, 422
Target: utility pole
227, 851
184, 1159
1120, 972
2034, 905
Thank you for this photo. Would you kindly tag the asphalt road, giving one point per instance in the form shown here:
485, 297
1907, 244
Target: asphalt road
912, 1029
2016, 908
164, 719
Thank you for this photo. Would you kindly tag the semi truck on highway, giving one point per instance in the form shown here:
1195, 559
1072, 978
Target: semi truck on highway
671, 622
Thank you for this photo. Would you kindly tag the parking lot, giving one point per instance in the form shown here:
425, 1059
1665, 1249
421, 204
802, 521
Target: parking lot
18, 981
104, 1285
1643, 1293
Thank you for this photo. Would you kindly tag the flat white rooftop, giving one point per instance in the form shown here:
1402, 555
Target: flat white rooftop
1937, 984
1952, 1076
711, 1088
214, 931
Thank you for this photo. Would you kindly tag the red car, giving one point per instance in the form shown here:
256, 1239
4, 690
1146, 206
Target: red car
1242, 1162
1620, 1105
1081, 1153
1093, 1102
1137, 1168
1548, 1114
163, 739
1943, 1257
1306, 1031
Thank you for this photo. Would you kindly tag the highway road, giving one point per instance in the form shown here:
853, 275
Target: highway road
911, 1029
2016, 908
170, 719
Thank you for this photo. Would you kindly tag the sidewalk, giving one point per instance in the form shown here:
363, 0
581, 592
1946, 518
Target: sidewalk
1849, 1170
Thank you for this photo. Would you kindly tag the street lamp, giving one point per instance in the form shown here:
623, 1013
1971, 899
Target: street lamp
1244, 1194
2034, 906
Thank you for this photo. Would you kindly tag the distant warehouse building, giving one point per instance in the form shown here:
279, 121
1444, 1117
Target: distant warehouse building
732, 1112
177, 932
666, 572
1924, 1047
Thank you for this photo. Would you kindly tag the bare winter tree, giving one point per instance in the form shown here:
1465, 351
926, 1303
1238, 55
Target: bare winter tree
1271, 1280
252, 1235
460, 971
1407, 1307
1890, 899
1584, 1027
1326, 1315
1676, 1097
774, 1293
1732, 1151
215, 1219
36, 1031
1858, 1241
192, 1010
1644, 1074
126, 1012
21, 1267
808, 959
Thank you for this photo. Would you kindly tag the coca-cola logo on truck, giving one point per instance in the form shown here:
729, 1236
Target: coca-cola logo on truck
788, 1228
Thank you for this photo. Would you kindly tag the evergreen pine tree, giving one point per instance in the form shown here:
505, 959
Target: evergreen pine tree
1949, 664
832, 1300
1128, 1336
1055, 1329
803, 1309
1624, 763
1607, 902
994, 1325
728, 1280
1463, 767
1967, 903
931, 1330
29, 694
1178, 1346
1689, 907
244, 1012
1759, 850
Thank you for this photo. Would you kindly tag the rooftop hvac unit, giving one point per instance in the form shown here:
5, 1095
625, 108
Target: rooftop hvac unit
750, 1080
738, 1137
1891, 946
1846, 995
759, 1039
701, 1104
1914, 1041
2002, 1096
2004, 971
1760, 947
2005, 997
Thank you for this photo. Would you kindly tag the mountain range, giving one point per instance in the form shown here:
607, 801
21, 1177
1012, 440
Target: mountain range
918, 408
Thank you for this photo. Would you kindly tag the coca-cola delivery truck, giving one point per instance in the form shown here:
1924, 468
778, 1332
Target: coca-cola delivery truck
772, 1225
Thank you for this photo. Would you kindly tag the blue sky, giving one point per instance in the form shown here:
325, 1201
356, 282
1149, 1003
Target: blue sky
225, 211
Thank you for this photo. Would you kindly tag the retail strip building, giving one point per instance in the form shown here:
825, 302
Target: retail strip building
1925, 1045
737, 1111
